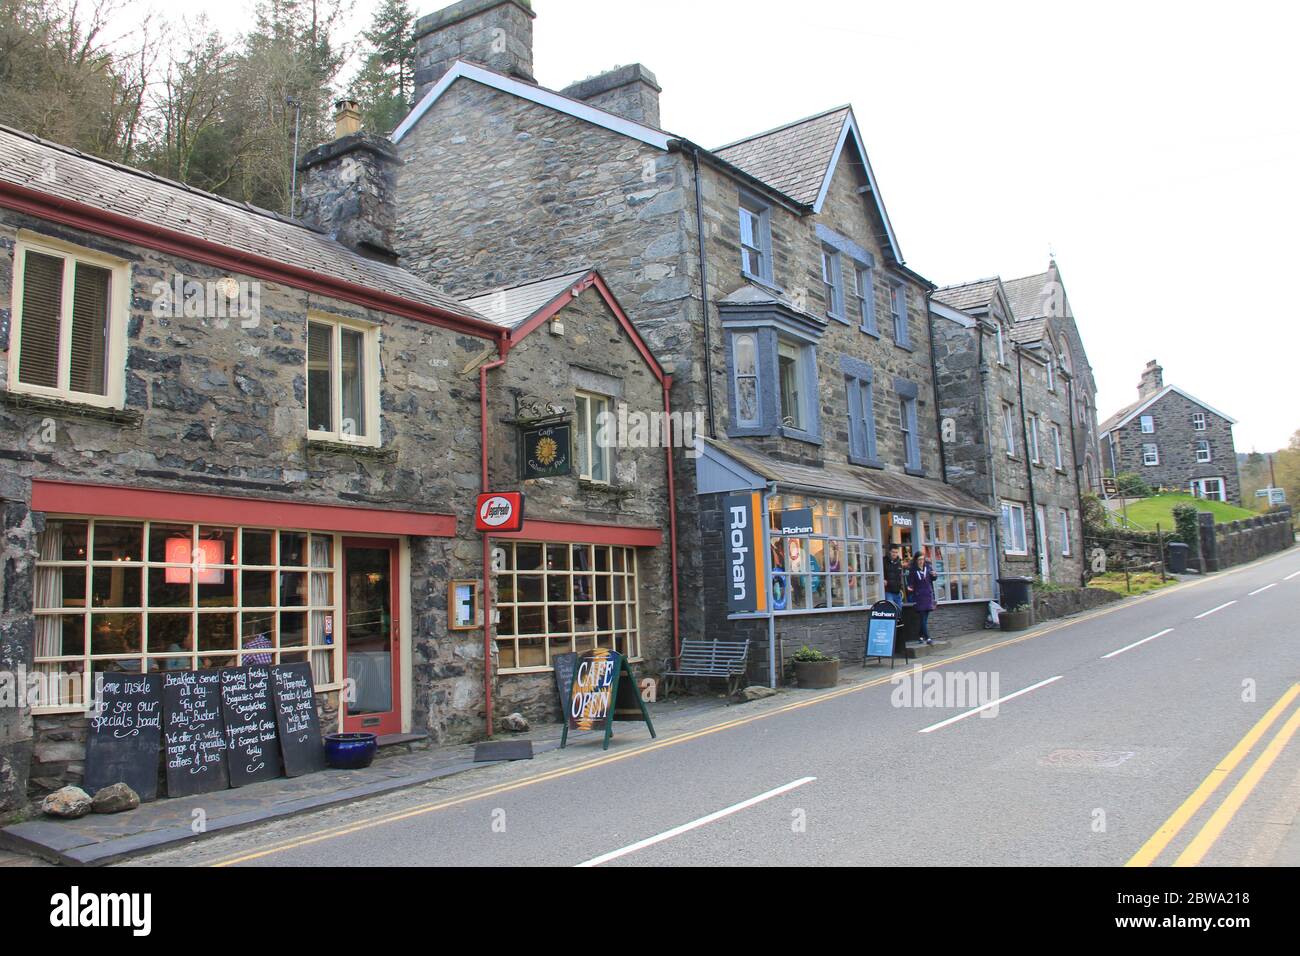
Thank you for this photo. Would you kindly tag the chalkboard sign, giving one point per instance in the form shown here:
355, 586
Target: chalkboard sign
564, 665
194, 733
124, 734
254, 753
296, 719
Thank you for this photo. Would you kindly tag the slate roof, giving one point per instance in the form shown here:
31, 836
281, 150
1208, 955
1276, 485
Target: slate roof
68, 174
512, 306
792, 159
1126, 414
836, 479
1029, 332
1028, 296
968, 295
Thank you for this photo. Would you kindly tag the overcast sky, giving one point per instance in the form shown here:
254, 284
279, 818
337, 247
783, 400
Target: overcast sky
1154, 148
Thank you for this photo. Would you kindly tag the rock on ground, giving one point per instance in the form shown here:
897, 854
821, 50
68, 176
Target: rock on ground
115, 798
516, 723
69, 803
755, 692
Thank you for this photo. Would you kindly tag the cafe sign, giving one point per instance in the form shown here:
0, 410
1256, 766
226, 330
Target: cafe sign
545, 450
501, 513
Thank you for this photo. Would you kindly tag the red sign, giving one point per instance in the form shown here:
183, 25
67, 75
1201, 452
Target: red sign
500, 512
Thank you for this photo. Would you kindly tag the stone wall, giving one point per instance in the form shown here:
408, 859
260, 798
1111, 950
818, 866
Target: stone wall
497, 34
1176, 440
1053, 604
18, 529
1238, 542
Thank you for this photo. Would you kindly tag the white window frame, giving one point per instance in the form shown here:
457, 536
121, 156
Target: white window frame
791, 348
589, 446
1203, 448
850, 528
1148, 425
1034, 451
119, 303
898, 311
1014, 539
1065, 533
1051, 373
1150, 454
907, 428
323, 651
370, 344
1002, 347
1009, 428
1198, 421
1056, 442
1197, 489
962, 555
762, 252
863, 290
625, 639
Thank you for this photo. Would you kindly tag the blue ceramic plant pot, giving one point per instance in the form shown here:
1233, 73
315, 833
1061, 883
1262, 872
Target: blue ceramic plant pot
350, 751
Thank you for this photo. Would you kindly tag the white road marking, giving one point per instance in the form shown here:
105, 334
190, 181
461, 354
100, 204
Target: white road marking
1262, 590
1135, 644
1294, 574
1213, 609
990, 704
695, 824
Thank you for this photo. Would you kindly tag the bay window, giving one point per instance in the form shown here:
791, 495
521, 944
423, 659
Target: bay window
838, 565
959, 549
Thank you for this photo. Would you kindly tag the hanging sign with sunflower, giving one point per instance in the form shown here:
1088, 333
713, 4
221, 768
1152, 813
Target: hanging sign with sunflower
544, 450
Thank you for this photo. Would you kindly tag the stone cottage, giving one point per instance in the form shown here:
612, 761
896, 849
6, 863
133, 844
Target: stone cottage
765, 274
1013, 442
229, 436
1172, 440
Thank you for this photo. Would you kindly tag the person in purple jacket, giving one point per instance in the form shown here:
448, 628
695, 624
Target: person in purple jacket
920, 587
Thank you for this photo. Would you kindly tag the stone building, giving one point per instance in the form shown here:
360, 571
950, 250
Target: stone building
1172, 440
229, 436
1014, 439
765, 274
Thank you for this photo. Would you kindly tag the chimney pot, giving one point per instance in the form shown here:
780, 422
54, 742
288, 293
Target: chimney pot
347, 118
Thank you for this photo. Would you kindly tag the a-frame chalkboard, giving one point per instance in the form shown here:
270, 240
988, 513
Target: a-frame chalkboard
602, 685
124, 732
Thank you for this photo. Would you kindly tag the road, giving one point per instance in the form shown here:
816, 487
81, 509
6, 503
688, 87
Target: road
1104, 752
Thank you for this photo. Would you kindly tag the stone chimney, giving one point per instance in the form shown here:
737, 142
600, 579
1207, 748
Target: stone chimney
497, 34
630, 91
345, 186
1153, 380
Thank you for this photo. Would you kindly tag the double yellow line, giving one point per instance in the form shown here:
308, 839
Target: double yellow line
1219, 820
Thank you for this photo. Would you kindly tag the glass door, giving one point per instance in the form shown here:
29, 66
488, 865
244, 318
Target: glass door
371, 645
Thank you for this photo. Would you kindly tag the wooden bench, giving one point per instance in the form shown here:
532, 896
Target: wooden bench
725, 660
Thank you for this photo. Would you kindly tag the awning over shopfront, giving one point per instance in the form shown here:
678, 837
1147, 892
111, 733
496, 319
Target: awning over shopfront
727, 467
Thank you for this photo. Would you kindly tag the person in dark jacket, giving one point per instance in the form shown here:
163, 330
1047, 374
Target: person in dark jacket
894, 574
920, 587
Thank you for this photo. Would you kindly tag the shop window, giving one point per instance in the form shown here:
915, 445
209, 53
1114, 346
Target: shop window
590, 415
342, 381
960, 550
755, 239
69, 330
836, 566
560, 598
1013, 529
139, 597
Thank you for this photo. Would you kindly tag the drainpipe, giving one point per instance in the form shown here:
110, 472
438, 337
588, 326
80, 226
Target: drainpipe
934, 388
1078, 485
503, 348
1029, 465
994, 503
672, 521
704, 296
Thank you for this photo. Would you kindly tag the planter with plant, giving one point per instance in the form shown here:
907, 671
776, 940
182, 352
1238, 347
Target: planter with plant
1017, 618
813, 669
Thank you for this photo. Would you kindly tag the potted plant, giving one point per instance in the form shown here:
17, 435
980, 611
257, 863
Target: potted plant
1017, 618
813, 669
350, 751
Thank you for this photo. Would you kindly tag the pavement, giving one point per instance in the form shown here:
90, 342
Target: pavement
1110, 723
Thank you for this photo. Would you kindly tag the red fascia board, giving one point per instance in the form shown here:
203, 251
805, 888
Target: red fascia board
126, 229
574, 533
107, 501
556, 305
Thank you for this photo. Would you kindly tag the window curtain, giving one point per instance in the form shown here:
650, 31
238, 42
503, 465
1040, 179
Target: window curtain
320, 596
49, 628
